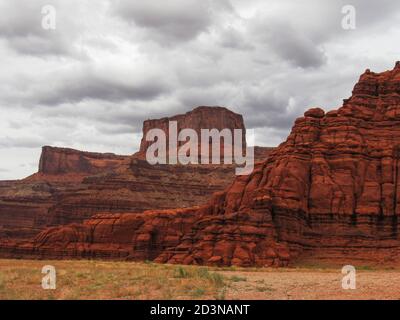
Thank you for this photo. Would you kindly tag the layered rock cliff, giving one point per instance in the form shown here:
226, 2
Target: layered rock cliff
329, 192
219, 118
58, 161
72, 185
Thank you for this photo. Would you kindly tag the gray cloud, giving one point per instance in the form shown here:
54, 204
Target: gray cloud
21, 142
88, 80
268, 109
107, 67
281, 38
22, 27
176, 20
102, 88
232, 38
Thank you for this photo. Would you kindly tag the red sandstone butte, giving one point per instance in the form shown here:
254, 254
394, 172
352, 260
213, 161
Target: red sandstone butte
329, 192
73, 185
199, 118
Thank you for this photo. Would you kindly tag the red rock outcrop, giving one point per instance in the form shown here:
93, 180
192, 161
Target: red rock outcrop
72, 185
21, 205
199, 118
139, 186
203, 117
329, 192
59, 161
136, 186
26, 205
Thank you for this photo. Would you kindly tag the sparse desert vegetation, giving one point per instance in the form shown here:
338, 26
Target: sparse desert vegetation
83, 279
21, 279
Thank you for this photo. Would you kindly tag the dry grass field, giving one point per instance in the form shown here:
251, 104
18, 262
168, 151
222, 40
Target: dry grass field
81, 279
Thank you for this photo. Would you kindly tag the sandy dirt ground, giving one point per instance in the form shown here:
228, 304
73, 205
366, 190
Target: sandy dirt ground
82, 279
312, 284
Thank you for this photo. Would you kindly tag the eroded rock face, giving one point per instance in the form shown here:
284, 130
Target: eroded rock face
139, 186
73, 185
219, 118
329, 192
56, 161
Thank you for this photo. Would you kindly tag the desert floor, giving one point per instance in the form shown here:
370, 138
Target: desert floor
81, 279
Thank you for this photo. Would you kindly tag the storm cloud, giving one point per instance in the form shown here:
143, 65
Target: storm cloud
108, 66
177, 20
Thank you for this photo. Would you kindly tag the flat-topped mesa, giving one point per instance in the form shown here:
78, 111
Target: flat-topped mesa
203, 117
54, 161
72, 185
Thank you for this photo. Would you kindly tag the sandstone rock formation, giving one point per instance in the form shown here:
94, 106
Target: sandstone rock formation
58, 161
72, 185
329, 192
199, 118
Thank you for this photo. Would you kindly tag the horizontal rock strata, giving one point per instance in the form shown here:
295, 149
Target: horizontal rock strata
73, 185
330, 192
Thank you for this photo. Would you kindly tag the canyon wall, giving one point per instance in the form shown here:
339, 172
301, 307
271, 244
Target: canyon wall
56, 161
71, 185
330, 193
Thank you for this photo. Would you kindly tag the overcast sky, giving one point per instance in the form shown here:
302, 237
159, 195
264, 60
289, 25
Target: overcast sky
109, 65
